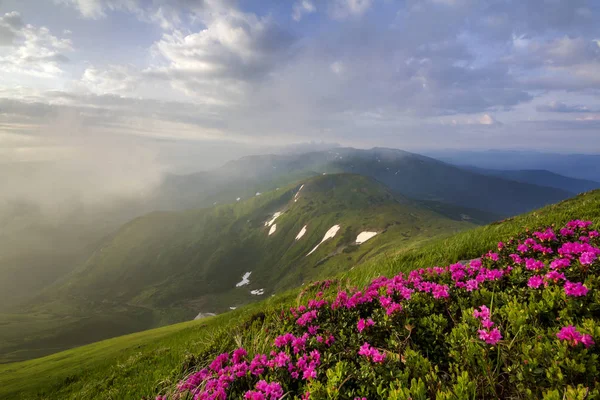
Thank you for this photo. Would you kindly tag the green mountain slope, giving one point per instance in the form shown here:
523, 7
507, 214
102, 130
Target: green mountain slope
138, 365
542, 177
408, 174
168, 267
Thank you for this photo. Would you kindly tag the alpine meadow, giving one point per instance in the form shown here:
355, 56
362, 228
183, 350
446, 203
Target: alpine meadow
303, 200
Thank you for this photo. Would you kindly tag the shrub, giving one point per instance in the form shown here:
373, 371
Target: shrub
519, 322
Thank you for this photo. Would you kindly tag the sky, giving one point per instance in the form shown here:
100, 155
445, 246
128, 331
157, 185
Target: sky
140, 86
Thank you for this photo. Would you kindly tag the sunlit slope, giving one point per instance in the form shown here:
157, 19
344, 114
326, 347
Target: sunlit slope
134, 366
195, 259
168, 267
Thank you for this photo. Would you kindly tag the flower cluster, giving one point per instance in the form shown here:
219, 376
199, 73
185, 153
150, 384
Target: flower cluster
315, 339
362, 324
371, 353
488, 335
574, 337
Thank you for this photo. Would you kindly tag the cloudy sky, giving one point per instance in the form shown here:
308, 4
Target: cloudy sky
136, 79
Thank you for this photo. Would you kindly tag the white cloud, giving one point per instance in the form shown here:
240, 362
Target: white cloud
235, 49
337, 67
30, 50
301, 8
95, 9
350, 8
113, 80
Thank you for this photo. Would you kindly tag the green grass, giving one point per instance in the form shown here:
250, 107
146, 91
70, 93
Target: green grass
134, 366
166, 267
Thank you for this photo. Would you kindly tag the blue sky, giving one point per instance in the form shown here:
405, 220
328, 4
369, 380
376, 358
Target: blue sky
123, 77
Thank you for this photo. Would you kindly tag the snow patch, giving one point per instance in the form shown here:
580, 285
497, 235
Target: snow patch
238, 199
273, 229
204, 315
272, 220
258, 193
297, 193
328, 235
232, 308
364, 236
301, 233
244, 280
258, 292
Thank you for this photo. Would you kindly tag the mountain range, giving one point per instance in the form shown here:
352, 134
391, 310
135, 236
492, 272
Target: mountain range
255, 227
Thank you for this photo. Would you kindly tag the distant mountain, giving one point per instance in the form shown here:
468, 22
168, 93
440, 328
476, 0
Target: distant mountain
582, 166
170, 266
543, 178
408, 174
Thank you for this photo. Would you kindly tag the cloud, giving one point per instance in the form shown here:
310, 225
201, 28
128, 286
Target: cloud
115, 79
342, 9
216, 63
10, 26
301, 8
30, 50
95, 9
560, 107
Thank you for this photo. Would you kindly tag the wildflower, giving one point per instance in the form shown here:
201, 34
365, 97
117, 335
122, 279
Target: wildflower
560, 263
587, 258
535, 282
482, 313
534, 265
490, 337
555, 276
238, 355
472, 284
362, 324
575, 289
574, 337
516, 258
487, 323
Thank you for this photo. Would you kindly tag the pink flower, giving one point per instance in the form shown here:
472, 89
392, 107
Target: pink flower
570, 334
535, 282
361, 325
587, 340
516, 258
575, 289
471, 285
587, 258
555, 276
490, 337
534, 265
560, 263
487, 323
482, 313
393, 308
371, 353
238, 355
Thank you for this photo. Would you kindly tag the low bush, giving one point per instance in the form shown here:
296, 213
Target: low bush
519, 322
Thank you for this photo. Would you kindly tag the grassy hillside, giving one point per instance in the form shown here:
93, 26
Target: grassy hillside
141, 364
168, 267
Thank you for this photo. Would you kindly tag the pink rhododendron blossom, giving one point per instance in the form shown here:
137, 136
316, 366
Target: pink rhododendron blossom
575, 289
490, 337
535, 281
574, 337
482, 313
555, 276
560, 263
295, 357
587, 258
